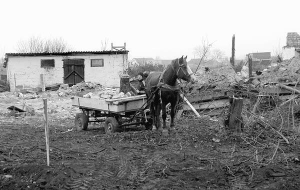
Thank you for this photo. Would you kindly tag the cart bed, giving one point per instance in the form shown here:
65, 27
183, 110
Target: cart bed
112, 105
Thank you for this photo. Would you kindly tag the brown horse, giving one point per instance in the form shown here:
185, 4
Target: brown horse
163, 88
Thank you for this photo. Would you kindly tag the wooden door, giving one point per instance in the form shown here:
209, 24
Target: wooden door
73, 71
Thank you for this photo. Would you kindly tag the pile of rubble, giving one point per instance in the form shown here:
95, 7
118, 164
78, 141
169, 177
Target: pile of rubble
65, 90
91, 90
211, 79
220, 77
286, 72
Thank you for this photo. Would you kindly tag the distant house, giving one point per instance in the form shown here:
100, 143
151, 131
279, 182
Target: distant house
164, 63
31, 70
292, 48
260, 60
193, 64
260, 55
141, 61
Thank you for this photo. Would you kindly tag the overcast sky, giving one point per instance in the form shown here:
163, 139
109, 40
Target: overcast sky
151, 28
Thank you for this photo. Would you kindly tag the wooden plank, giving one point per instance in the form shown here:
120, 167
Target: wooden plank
208, 105
126, 99
207, 97
274, 89
294, 90
190, 105
287, 97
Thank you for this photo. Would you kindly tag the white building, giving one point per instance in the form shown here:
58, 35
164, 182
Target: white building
292, 47
28, 70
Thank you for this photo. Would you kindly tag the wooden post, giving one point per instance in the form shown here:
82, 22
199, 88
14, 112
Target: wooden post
43, 82
235, 121
46, 131
15, 81
233, 50
250, 66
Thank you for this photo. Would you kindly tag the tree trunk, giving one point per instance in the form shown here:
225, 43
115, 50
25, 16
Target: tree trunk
234, 123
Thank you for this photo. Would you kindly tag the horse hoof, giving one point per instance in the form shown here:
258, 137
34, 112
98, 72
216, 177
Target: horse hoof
154, 128
172, 129
165, 132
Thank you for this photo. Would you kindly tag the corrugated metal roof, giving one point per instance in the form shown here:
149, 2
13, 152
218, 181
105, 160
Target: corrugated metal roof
67, 53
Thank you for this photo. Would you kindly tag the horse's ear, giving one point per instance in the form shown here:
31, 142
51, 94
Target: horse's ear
185, 57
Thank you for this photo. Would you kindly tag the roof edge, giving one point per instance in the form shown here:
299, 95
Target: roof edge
67, 53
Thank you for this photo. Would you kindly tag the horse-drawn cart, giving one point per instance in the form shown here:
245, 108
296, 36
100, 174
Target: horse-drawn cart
115, 113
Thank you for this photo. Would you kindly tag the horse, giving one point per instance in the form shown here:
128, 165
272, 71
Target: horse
162, 88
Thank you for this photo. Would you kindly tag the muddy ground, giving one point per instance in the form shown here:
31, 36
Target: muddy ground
199, 154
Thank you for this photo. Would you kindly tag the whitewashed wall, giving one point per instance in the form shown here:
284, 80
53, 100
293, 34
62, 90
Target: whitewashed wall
288, 52
25, 71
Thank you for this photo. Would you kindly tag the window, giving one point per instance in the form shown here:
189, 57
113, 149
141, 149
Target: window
47, 63
97, 63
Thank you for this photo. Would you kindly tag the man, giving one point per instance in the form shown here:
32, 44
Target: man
141, 86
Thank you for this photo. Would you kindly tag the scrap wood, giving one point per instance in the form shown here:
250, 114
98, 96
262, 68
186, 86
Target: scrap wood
289, 88
291, 99
209, 105
190, 105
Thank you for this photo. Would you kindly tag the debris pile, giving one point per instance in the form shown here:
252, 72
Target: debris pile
286, 72
91, 90
83, 87
220, 77
107, 93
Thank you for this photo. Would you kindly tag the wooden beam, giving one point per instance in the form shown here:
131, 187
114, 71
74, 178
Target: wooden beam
208, 105
190, 105
289, 88
214, 95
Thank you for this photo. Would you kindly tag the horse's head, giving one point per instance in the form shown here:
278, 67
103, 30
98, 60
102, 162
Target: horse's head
183, 71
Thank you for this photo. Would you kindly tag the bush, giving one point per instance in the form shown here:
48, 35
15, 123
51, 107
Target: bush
135, 70
4, 86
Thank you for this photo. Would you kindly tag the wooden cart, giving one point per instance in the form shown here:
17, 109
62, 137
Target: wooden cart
116, 113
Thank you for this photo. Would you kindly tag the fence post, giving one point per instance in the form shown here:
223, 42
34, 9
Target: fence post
46, 130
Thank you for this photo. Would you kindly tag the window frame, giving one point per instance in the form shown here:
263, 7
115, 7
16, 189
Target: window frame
47, 65
97, 65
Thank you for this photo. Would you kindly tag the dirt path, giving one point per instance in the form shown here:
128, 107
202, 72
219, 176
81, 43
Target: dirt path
198, 155
190, 158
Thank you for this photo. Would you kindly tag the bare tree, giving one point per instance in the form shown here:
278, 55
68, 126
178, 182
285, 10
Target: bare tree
218, 55
203, 51
38, 45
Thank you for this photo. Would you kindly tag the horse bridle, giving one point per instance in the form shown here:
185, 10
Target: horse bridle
180, 67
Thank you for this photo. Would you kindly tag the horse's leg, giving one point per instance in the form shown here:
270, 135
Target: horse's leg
152, 113
157, 115
173, 106
164, 114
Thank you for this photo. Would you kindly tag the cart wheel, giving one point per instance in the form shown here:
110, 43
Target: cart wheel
81, 121
111, 125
